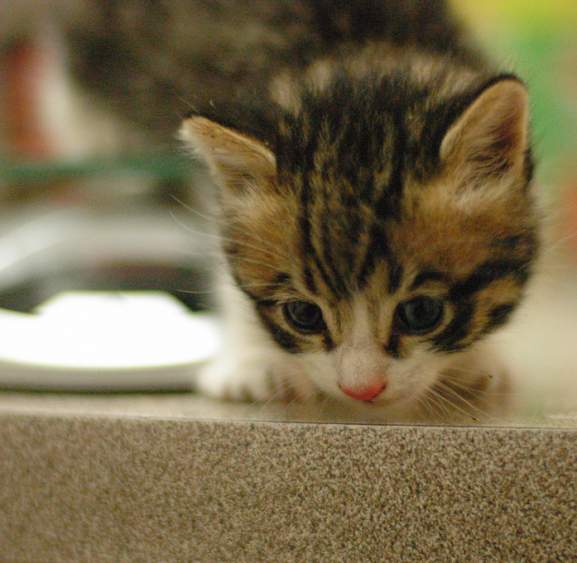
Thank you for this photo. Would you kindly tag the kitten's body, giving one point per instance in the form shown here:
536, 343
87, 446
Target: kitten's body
148, 61
366, 156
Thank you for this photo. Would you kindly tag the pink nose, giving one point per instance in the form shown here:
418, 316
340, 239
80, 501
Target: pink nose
365, 393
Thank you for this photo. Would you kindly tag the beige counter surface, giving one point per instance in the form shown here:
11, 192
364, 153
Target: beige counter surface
181, 478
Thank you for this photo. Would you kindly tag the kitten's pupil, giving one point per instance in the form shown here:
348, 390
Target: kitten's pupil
304, 317
420, 315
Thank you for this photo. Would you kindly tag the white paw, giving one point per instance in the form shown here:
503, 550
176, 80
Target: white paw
254, 381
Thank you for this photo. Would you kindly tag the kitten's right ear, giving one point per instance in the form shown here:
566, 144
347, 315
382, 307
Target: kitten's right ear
491, 137
237, 161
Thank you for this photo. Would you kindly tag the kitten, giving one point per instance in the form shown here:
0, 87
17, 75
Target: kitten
374, 180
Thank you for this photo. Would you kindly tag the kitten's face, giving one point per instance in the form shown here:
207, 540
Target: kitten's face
377, 293
443, 277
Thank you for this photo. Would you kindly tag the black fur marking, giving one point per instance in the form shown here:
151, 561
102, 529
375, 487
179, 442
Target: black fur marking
511, 242
355, 227
350, 167
327, 278
387, 207
525, 245
377, 248
488, 273
307, 249
309, 280
305, 222
393, 345
395, 275
283, 338
427, 276
282, 278
328, 342
330, 262
498, 316
458, 329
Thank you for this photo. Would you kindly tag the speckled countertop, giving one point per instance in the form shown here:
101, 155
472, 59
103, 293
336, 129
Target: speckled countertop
181, 478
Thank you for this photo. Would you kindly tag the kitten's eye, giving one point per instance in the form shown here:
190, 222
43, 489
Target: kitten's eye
420, 315
303, 316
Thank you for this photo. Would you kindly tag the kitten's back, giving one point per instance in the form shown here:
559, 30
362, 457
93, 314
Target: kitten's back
152, 62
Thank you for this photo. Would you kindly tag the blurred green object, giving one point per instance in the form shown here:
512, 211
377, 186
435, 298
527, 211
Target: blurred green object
540, 61
161, 166
545, 59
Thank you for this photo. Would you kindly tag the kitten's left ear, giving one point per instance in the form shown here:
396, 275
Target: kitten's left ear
491, 138
236, 160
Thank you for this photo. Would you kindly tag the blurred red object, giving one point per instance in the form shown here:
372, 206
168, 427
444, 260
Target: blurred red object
24, 62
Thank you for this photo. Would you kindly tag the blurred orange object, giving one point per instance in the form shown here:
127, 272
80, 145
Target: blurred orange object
23, 70
570, 216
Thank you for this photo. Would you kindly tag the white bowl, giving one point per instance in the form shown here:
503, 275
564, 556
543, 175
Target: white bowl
105, 341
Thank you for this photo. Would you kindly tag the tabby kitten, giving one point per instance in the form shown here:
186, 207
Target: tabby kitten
374, 185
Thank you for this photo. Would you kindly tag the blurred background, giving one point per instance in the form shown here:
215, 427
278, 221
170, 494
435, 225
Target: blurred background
86, 212
539, 40
84, 204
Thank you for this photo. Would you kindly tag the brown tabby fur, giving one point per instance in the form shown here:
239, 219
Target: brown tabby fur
360, 147
380, 242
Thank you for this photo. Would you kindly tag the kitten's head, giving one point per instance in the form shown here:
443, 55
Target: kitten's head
378, 238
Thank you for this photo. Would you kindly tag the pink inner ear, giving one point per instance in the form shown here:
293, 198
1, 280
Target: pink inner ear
496, 154
236, 160
491, 137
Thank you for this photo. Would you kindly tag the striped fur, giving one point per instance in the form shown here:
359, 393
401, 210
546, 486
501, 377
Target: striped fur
361, 204
388, 167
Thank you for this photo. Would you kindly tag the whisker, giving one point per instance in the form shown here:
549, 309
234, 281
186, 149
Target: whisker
186, 102
243, 260
460, 397
273, 253
267, 246
245, 286
424, 405
458, 383
191, 209
436, 405
218, 256
450, 374
436, 392
220, 237
194, 292
558, 243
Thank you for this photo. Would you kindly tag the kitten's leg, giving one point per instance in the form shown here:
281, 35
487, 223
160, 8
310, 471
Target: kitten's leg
250, 367
253, 376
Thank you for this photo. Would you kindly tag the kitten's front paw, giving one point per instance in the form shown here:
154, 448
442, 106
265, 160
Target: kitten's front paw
255, 381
